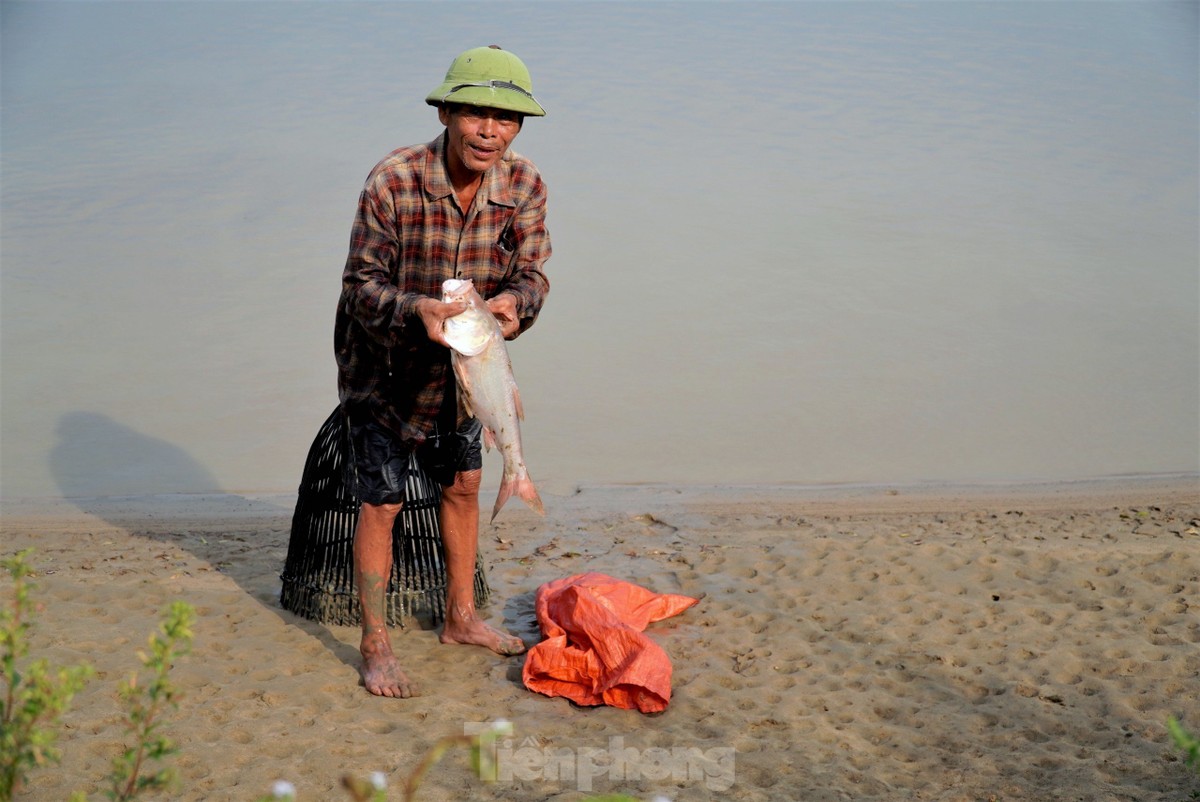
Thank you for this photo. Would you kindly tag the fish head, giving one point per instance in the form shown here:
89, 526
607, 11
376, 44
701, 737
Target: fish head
459, 289
470, 331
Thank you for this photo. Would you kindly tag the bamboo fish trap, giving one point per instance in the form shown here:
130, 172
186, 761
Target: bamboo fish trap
318, 574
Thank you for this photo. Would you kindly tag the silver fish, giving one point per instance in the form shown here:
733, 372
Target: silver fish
487, 389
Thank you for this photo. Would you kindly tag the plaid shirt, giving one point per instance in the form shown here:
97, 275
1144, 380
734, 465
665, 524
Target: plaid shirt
408, 237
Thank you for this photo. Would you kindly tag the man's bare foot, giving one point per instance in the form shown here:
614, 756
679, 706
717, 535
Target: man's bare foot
381, 672
474, 631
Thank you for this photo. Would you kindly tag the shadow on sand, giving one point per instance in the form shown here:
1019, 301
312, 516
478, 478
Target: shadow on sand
155, 490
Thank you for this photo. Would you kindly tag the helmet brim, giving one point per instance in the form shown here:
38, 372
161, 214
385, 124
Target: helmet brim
490, 97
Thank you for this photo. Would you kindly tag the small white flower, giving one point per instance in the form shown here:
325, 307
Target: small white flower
282, 789
378, 780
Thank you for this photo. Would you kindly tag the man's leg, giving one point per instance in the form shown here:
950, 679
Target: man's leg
381, 671
459, 520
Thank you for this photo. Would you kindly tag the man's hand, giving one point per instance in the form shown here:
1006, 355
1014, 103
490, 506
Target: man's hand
433, 314
504, 308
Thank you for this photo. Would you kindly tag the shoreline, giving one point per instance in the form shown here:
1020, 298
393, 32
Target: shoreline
930, 495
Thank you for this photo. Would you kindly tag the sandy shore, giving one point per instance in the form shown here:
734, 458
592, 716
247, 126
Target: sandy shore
1007, 643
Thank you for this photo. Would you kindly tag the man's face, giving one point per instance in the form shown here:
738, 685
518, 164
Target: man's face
478, 136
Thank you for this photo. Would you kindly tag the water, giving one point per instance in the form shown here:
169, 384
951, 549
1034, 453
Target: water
795, 242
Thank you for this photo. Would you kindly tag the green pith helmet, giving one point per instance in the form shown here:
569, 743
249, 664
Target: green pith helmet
488, 77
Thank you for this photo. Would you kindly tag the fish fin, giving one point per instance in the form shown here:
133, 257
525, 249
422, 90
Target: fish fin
489, 438
464, 401
517, 403
524, 490
462, 389
527, 492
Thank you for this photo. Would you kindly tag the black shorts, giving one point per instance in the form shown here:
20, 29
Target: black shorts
379, 464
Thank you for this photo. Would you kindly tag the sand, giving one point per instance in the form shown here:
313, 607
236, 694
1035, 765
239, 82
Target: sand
1007, 643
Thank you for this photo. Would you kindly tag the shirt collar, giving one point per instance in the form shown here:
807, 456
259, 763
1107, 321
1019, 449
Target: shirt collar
494, 188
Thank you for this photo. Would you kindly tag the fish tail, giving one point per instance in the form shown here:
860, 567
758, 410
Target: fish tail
524, 489
527, 492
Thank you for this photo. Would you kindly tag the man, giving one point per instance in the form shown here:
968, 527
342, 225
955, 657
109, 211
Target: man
462, 206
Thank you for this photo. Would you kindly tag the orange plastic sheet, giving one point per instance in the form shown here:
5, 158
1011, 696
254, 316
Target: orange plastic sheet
595, 651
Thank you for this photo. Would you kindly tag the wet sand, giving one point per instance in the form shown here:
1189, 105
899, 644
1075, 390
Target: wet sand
930, 643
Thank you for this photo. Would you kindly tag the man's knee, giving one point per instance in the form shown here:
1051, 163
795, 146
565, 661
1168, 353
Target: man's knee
466, 485
380, 512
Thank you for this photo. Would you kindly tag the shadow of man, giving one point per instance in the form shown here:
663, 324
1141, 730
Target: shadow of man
155, 490
96, 457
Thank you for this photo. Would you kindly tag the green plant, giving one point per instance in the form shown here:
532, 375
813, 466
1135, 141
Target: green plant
35, 696
373, 790
481, 750
147, 702
1189, 743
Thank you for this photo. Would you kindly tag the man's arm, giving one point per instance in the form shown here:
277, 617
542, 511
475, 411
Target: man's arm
368, 293
526, 284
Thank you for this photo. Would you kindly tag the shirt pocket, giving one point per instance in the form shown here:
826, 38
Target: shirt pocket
504, 250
